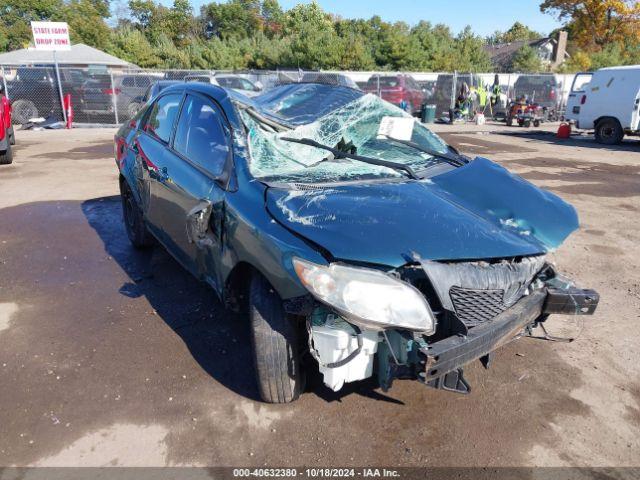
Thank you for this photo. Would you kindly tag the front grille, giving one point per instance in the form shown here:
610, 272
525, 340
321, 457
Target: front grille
475, 307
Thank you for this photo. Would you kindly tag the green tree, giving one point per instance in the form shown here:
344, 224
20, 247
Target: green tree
526, 60
470, 52
16, 15
517, 32
86, 19
131, 45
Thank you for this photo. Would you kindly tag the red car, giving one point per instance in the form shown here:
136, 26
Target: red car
401, 90
7, 137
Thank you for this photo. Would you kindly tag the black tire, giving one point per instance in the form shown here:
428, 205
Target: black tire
133, 220
274, 335
536, 123
609, 131
12, 136
22, 110
509, 121
6, 157
526, 124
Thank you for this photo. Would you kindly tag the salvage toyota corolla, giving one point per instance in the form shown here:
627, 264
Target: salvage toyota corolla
346, 230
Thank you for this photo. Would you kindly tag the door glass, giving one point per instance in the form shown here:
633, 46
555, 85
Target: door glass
142, 82
201, 136
162, 116
580, 81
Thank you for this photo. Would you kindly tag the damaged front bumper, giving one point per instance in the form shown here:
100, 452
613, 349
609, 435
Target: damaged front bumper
438, 363
445, 356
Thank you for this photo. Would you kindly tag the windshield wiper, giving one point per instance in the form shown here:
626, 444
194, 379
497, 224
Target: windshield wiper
340, 154
456, 162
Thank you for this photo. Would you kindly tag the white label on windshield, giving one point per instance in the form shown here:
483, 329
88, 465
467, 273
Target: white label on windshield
400, 128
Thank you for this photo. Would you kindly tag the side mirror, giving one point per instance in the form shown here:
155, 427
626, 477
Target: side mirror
258, 86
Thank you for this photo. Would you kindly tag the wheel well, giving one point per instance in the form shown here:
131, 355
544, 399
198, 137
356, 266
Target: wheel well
236, 287
599, 119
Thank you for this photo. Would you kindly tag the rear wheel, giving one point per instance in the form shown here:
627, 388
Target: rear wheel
275, 340
6, 156
609, 131
12, 136
133, 221
23, 110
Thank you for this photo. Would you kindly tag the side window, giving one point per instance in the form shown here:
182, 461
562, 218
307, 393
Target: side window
201, 136
162, 116
246, 84
143, 82
127, 82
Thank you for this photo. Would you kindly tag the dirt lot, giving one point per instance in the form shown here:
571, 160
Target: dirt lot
113, 357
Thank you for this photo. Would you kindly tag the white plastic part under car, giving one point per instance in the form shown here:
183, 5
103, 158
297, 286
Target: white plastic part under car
335, 341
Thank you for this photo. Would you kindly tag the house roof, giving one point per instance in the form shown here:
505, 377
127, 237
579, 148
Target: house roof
502, 53
80, 54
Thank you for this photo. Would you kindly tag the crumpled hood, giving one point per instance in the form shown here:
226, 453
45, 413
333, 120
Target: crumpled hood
478, 211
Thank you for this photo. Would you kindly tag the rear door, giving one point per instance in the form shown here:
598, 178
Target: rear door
194, 189
574, 100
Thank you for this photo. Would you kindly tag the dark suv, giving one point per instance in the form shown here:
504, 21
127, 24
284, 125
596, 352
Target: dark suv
34, 92
350, 235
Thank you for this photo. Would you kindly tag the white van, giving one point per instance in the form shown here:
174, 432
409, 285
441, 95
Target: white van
606, 101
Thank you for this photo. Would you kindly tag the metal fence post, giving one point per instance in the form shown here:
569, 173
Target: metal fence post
64, 111
4, 82
113, 98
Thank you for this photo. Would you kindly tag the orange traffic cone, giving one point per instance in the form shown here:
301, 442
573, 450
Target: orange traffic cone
564, 131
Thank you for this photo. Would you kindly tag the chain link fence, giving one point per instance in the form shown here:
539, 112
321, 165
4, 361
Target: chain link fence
111, 97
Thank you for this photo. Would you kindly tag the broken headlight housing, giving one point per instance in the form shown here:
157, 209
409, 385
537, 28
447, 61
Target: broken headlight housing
367, 297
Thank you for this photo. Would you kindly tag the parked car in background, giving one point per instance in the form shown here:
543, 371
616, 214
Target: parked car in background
97, 99
240, 84
101, 95
130, 91
607, 101
339, 79
7, 136
234, 82
542, 89
34, 92
357, 252
156, 87
401, 90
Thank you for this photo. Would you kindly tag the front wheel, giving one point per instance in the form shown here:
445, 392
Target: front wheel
133, 221
609, 131
6, 157
275, 339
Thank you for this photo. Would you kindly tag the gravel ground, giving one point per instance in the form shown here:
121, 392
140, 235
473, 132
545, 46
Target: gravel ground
113, 357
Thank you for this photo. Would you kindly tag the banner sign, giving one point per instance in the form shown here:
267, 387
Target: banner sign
51, 35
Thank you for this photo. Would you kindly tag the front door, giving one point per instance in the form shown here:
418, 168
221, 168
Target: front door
193, 191
150, 149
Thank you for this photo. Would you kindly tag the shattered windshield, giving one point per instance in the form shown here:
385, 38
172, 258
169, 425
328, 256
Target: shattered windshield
344, 119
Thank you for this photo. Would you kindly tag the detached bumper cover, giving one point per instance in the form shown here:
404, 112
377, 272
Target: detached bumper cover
451, 353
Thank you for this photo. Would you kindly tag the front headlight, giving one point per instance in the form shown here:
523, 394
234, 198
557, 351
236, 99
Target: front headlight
367, 297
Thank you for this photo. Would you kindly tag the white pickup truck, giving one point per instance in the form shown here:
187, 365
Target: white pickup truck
606, 101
